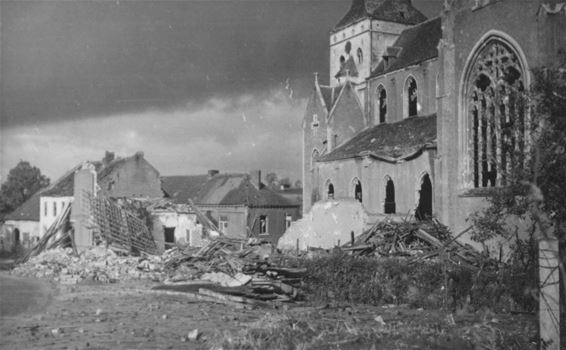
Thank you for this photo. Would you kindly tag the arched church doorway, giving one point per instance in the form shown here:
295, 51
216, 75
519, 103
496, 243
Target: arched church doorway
424, 208
330, 191
389, 206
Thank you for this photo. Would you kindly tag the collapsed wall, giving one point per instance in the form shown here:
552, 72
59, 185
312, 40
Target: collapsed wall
328, 224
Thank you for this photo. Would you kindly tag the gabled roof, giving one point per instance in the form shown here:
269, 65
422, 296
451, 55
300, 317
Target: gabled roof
389, 142
215, 189
348, 68
63, 187
181, 188
222, 189
414, 45
330, 95
27, 211
398, 11
250, 195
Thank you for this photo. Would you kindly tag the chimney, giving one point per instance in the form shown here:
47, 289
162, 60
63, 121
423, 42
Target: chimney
139, 155
108, 158
255, 178
212, 172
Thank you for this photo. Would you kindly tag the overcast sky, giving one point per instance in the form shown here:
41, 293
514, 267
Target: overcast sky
195, 85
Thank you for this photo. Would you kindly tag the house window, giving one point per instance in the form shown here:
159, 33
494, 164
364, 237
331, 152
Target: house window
45, 210
54, 208
263, 229
288, 220
382, 103
223, 224
360, 55
497, 113
411, 91
330, 193
389, 205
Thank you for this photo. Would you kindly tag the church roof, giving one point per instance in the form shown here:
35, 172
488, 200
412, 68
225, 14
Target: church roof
389, 142
399, 11
330, 95
414, 45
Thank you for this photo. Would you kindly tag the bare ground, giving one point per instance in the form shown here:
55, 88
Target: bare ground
131, 316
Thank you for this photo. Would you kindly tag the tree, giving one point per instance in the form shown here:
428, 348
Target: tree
272, 180
22, 182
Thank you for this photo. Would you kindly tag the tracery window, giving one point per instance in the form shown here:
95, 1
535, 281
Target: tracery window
496, 113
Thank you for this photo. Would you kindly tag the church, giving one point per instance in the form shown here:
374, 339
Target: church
420, 117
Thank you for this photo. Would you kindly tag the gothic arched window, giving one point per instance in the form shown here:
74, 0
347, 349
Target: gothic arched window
314, 157
360, 55
330, 190
496, 112
411, 93
382, 103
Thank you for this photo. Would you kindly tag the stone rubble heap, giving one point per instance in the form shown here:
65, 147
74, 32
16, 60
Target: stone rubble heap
95, 264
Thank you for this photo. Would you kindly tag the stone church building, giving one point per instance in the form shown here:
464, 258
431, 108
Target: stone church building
420, 116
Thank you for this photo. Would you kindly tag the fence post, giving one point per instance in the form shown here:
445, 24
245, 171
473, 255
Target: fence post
549, 294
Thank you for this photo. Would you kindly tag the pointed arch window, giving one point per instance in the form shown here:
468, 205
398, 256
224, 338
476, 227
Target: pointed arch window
360, 55
330, 190
314, 157
357, 190
411, 94
496, 112
389, 205
382, 103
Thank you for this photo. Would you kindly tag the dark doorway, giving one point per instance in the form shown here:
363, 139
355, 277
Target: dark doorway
424, 209
358, 191
330, 191
169, 233
389, 207
16, 236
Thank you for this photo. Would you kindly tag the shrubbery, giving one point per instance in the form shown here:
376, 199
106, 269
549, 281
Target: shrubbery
342, 278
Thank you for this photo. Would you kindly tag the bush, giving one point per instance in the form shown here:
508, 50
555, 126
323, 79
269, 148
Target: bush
342, 278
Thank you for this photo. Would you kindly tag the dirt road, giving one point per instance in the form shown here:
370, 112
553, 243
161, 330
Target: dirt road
119, 316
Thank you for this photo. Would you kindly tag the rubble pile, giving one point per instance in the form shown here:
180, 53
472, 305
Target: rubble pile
233, 271
417, 240
96, 264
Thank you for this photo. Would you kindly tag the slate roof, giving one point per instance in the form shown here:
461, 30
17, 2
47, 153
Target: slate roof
250, 195
399, 11
27, 211
330, 95
389, 142
221, 189
181, 188
414, 45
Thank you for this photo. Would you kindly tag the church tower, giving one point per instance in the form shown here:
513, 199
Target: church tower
358, 41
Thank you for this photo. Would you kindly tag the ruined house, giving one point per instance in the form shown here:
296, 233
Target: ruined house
131, 176
239, 205
418, 114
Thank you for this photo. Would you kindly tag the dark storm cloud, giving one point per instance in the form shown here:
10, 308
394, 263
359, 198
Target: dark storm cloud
66, 59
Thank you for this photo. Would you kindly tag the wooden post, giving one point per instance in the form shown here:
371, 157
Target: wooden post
297, 246
549, 295
352, 238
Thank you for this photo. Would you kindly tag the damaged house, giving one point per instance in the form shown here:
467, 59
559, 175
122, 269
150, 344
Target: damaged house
239, 205
421, 115
131, 176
